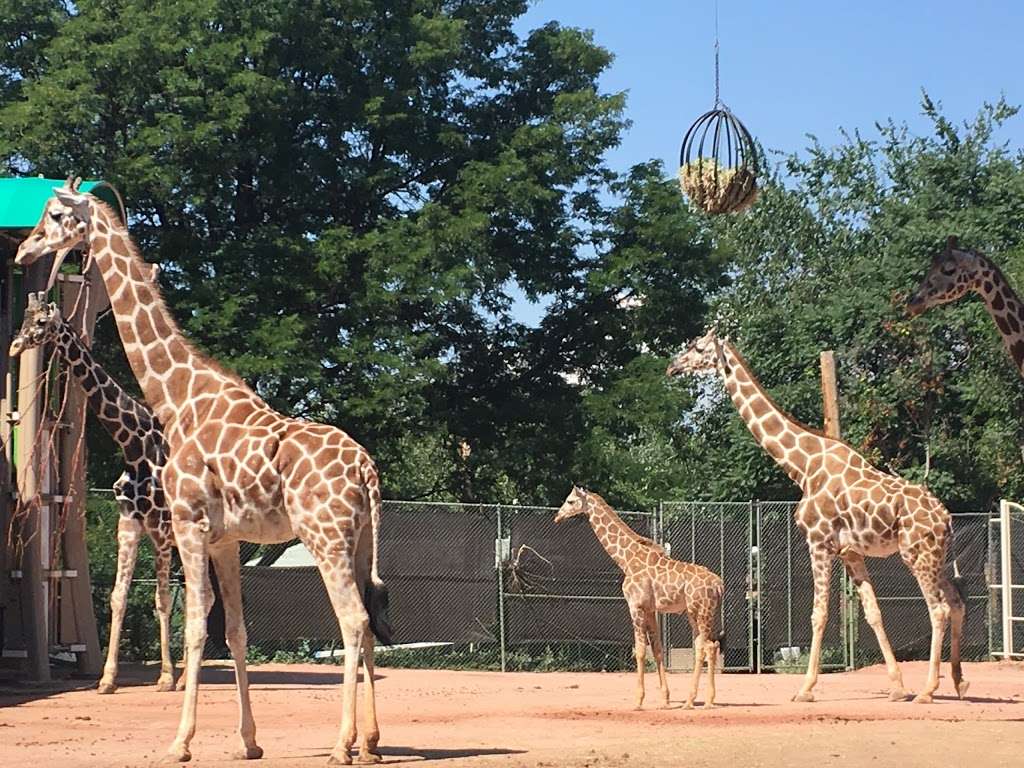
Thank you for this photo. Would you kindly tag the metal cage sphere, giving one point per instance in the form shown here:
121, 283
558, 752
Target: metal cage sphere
718, 163
719, 135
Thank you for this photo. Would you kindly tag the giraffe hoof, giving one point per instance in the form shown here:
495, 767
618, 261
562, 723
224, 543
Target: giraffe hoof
343, 759
804, 696
165, 684
248, 753
173, 756
180, 685
367, 757
898, 694
961, 689
709, 705
105, 687
923, 698
688, 704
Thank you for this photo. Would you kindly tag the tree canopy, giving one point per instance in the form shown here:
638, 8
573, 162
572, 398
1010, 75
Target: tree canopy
351, 199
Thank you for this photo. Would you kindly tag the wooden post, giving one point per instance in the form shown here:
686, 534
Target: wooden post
7, 586
73, 477
29, 480
830, 394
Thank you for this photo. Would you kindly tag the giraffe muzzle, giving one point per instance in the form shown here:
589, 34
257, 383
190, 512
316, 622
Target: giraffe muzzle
915, 305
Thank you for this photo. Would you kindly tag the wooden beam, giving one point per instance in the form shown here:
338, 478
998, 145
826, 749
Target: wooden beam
30, 455
830, 394
73, 459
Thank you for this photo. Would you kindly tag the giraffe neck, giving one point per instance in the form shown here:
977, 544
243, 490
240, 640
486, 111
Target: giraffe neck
166, 365
617, 538
773, 429
1004, 306
122, 416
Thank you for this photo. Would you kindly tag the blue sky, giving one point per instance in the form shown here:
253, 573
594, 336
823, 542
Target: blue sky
789, 69
793, 68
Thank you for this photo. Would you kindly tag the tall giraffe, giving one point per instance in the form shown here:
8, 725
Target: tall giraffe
955, 272
654, 583
848, 510
236, 470
138, 492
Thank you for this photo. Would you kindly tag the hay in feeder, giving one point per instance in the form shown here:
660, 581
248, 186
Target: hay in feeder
716, 189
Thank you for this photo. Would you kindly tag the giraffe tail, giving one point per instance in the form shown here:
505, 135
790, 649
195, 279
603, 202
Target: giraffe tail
375, 593
958, 581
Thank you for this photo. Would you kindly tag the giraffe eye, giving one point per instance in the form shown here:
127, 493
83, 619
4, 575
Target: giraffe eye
55, 215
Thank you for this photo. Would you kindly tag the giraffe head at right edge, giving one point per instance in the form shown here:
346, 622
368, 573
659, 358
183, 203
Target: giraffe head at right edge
40, 325
700, 357
952, 273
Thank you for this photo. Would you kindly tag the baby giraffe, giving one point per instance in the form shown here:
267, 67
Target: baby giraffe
655, 583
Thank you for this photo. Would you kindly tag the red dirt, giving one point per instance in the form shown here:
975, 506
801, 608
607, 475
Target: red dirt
538, 720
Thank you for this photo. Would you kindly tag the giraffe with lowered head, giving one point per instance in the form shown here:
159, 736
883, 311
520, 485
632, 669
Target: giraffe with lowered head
955, 272
138, 492
236, 471
654, 583
848, 510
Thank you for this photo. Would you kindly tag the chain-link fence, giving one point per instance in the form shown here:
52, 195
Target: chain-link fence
504, 587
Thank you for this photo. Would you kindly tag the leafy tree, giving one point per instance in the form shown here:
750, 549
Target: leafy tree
826, 261
347, 197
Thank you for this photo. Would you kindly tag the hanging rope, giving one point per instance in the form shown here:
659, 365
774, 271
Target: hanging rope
718, 98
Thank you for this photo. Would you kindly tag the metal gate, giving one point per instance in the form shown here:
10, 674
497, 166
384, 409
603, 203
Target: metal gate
1007, 579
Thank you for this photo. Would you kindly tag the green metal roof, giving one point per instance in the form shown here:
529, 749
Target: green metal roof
22, 199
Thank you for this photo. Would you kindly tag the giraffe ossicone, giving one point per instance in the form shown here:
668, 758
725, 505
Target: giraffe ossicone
849, 510
236, 470
655, 583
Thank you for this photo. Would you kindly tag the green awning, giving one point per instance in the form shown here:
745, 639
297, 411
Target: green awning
22, 199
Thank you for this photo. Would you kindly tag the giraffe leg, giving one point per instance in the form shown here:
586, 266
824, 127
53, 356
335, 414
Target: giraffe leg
821, 565
129, 531
192, 548
336, 568
654, 637
711, 649
162, 556
698, 664
927, 570
180, 685
225, 561
956, 626
370, 729
858, 571
639, 649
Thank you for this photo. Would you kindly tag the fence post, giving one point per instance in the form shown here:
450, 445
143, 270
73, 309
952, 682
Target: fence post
666, 631
498, 566
1006, 577
755, 585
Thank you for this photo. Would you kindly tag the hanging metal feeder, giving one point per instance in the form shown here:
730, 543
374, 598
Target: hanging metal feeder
718, 160
718, 163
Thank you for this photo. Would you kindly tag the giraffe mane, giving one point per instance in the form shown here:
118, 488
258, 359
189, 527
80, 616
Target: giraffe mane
598, 499
795, 421
149, 277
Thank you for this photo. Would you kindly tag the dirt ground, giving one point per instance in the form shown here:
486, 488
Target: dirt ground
471, 719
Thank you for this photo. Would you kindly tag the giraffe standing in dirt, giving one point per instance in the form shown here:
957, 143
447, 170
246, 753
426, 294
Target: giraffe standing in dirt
955, 272
138, 492
654, 583
849, 509
236, 470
